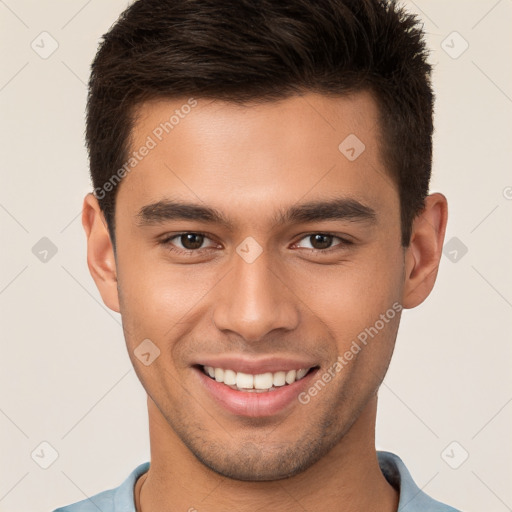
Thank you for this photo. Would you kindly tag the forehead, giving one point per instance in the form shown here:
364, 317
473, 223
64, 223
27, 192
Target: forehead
258, 157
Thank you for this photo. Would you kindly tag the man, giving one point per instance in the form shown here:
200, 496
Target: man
260, 219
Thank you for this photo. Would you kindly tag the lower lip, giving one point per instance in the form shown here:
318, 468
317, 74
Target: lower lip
254, 404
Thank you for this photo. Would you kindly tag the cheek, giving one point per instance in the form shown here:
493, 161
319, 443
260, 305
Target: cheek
351, 297
158, 300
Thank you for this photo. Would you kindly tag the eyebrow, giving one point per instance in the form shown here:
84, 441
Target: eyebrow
347, 209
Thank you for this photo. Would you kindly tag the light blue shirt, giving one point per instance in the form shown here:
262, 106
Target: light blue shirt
412, 498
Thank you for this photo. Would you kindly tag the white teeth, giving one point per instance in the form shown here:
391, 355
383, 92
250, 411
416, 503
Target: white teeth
229, 377
261, 382
301, 373
244, 380
290, 376
279, 379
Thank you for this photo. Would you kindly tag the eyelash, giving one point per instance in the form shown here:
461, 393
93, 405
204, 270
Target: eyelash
343, 242
167, 242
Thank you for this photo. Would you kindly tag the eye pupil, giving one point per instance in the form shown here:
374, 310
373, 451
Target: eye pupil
192, 240
320, 241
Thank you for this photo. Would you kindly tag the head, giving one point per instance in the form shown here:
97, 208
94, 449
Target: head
292, 142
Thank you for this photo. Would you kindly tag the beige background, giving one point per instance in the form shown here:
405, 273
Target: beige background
65, 378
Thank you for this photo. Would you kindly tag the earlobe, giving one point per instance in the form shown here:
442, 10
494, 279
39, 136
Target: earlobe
100, 252
425, 249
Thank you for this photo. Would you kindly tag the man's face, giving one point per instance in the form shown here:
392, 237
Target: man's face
291, 251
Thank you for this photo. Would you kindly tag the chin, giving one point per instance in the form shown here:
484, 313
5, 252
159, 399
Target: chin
252, 463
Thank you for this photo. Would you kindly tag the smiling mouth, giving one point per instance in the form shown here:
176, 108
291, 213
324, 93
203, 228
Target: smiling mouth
255, 383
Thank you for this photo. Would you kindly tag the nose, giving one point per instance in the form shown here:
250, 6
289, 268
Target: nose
254, 301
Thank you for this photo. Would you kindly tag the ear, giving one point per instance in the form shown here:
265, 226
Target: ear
424, 251
100, 252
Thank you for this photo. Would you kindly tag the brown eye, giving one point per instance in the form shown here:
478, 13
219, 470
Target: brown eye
323, 242
188, 243
320, 241
192, 241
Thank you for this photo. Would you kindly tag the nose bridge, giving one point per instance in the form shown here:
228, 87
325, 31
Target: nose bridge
254, 301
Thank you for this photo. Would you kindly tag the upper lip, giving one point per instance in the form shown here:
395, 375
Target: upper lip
255, 366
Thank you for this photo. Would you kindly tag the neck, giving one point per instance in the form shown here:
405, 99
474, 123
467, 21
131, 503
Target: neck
348, 478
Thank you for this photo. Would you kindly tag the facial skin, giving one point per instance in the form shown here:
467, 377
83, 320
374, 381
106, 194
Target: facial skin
305, 306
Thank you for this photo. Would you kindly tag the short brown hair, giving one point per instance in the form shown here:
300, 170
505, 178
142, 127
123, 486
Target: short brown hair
264, 50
